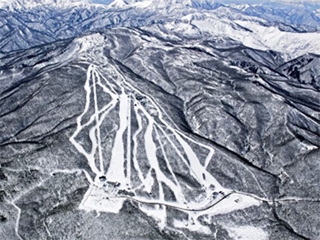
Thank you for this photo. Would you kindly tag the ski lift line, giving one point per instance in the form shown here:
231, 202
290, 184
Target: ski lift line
195, 164
165, 157
171, 185
93, 139
88, 93
97, 69
176, 186
88, 156
166, 135
97, 126
116, 167
102, 111
135, 147
129, 139
175, 131
198, 175
104, 88
79, 127
108, 83
105, 110
177, 151
151, 154
96, 108
160, 111
151, 150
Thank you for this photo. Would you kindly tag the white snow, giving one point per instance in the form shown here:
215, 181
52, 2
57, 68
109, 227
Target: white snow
27, 4
262, 37
192, 225
225, 29
247, 233
103, 196
116, 169
292, 44
97, 199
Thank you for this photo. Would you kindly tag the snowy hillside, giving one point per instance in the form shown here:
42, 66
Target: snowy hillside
77, 17
145, 119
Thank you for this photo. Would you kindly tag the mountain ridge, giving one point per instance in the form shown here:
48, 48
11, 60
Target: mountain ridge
148, 121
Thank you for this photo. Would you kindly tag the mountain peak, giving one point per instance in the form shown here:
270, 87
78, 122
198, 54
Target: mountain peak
36, 3
146, 3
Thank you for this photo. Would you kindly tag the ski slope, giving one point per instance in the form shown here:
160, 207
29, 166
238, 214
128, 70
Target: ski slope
145, 160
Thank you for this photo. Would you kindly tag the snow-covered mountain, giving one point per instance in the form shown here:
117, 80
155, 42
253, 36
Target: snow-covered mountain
14, 4
185, 119
79, 17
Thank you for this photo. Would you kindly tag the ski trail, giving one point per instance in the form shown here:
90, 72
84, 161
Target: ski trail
166, 158
116, 171
178, 152
104, 111
151, 154
128, 140
112, 186
79, 127
96, 110
135, 148
114, 93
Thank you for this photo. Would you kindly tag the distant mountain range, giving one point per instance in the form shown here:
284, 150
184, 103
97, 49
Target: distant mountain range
151, 119
265, 26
